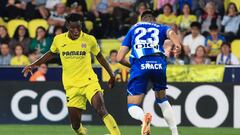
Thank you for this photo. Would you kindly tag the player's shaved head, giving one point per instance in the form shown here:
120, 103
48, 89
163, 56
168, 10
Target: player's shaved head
148, 16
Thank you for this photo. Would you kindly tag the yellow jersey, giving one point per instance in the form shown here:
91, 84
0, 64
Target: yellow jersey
75, 56
184, 23
20, 61
171, 19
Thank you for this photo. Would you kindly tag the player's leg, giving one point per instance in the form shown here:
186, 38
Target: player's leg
94, 94
136, 112
75, 118
159, 79
167, 111
98, 104
134, 108
76, 104
137, 88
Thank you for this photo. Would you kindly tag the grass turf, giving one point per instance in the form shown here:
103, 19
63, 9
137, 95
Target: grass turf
101, 130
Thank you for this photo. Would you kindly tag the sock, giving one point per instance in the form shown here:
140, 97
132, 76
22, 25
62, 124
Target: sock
81, 131
111, 125
135, 112
168, 114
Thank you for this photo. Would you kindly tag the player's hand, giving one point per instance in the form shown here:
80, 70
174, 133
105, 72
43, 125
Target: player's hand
26, 70
111, 82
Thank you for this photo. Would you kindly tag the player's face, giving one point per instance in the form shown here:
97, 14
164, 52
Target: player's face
74, 29
148, 18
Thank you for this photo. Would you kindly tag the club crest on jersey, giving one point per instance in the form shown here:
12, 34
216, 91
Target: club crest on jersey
145, 45
84, 45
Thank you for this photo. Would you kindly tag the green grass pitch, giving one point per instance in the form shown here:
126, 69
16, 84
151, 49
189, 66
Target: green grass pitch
101, 130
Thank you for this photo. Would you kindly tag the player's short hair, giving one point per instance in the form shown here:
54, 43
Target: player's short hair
196, 24
147, 12
213, 27
74, 17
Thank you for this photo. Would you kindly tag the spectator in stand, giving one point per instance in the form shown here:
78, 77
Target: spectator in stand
161, 3
193, 40
57, 30
219, 4
32, 56
167, 17
19, 59
209, 18
39, 75
57, 17
50, 4
115, 66
181, 59
21, 36
41, 43
226, 57
122, 10
231, 22
5, 56
3, 4
36, 9
77, 6
200, 56
213, 42
14, 9
141, 7
4, 37
184, 21
103, 10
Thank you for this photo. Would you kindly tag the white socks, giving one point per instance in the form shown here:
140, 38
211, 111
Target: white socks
136, 112
168, 115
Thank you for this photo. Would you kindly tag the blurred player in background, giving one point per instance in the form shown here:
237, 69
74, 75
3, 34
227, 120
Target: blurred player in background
79, 80
148, 63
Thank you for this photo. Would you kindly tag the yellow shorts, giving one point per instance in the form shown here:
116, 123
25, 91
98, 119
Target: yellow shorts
78, 96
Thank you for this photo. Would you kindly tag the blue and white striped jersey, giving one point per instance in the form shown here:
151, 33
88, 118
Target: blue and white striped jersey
145, 38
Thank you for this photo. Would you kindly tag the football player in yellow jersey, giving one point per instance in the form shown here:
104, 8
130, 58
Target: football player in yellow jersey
79, 80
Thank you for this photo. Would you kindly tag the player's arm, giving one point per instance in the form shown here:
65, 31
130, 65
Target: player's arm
121, 57
46, 57
105, 64
176, 41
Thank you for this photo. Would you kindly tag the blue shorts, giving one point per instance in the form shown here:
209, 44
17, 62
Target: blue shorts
147, 69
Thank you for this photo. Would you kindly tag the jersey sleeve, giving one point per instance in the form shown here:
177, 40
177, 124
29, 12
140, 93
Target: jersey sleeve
128, 39
53, 47
94, 46
165, 30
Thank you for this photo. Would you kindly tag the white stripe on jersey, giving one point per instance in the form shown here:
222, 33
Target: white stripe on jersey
139, 52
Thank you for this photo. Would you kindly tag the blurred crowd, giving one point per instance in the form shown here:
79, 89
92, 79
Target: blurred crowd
206, 27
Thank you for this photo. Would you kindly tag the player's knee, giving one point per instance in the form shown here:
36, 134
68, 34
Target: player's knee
101, 110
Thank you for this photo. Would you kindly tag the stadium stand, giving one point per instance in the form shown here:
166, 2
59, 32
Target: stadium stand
101, 21
34, 24
13, 24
